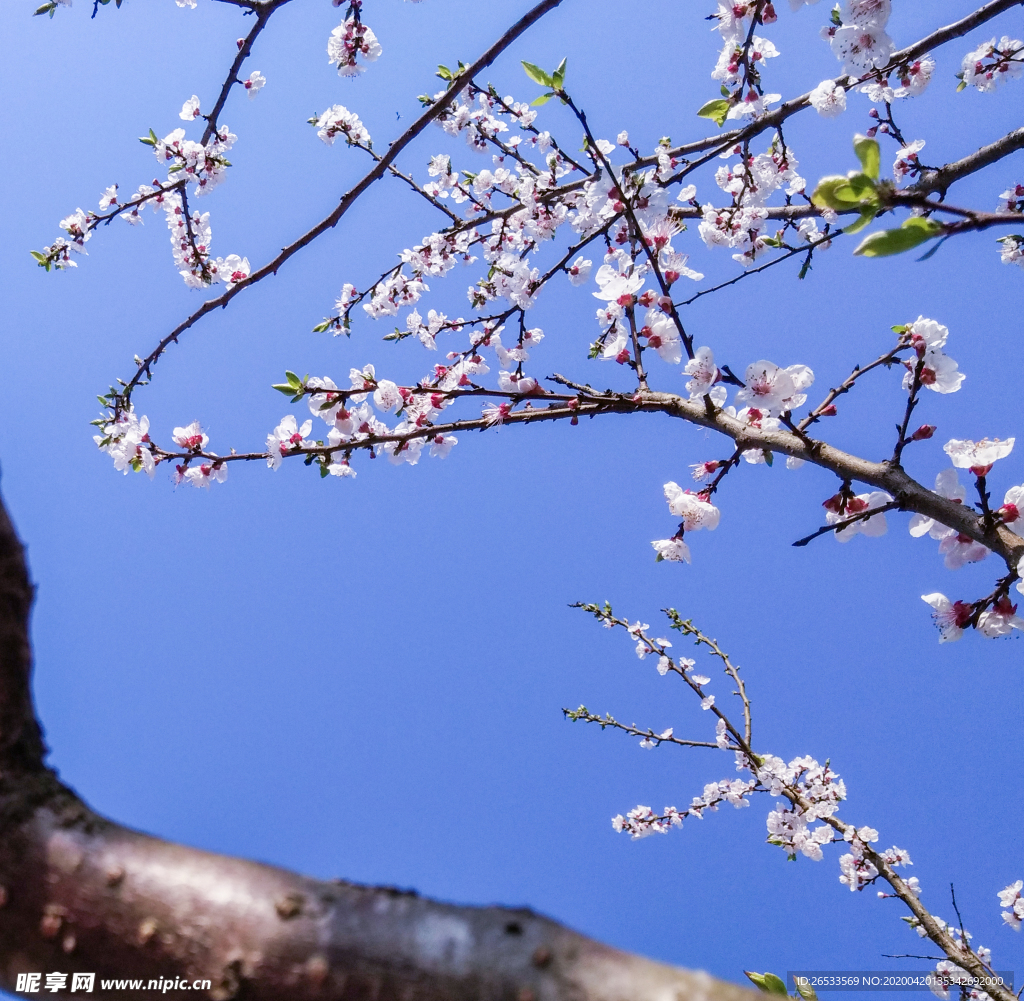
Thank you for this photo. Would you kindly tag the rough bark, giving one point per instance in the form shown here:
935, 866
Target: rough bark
81, 893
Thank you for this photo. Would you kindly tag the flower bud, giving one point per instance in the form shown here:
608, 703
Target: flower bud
1008, 513
923, 432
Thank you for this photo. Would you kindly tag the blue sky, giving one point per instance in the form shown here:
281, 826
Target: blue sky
364, 678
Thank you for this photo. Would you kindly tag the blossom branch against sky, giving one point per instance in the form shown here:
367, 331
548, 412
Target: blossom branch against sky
735, 333
813, 792
649, 243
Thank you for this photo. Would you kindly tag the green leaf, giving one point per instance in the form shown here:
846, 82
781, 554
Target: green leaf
767, 982
868, 153
804, 989
858, 189
321, 327
866, 216
962, 85
558, 77
543, 99
824, 195
283, 387
537, 75
41, 258
769, 456
716, 110
444, 73
887, 242
845, 193
293, 380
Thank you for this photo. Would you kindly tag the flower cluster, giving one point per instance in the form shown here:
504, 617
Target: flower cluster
203, 166
696, 512
338, 120
348, 41
938, 372
641, 821
913, 79
953, 617
126, 441
861, 42
742, 57
993, 63
1011, 899
751, 182
816, 792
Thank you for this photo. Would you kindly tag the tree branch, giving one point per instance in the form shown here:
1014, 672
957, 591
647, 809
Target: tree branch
351, 196
80, 892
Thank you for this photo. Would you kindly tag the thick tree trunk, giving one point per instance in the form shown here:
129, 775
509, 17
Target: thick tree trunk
79, 893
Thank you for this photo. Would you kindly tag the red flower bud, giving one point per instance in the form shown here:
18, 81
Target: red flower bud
1008, 513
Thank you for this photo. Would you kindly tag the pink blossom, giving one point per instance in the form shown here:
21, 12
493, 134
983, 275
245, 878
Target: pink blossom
977, 456
839, 508
190, 437
286, 437
695, 510
673, 549
775, 389
702, 371
959, 550
1000, 619
952, 618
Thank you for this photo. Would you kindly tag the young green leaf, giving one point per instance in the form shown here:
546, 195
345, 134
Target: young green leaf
558, 77
537, 75
716, 110
543, 99
887, 242
767, 982
804, 989
868, 153
865, 217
